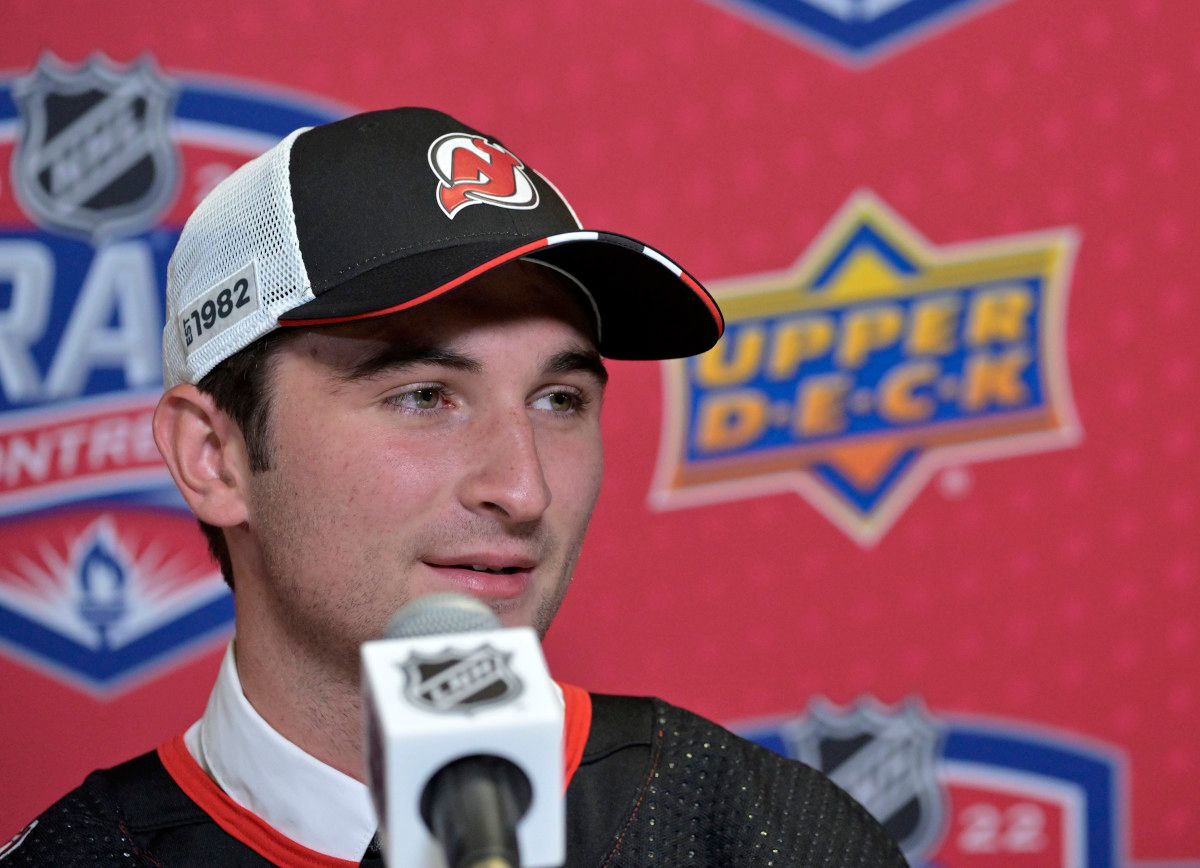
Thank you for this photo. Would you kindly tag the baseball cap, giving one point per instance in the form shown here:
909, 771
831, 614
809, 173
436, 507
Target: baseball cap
386, 210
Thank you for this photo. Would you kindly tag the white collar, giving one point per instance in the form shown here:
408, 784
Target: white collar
301, 797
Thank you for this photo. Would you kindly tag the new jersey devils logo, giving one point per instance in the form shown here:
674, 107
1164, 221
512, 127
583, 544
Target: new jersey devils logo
473, 171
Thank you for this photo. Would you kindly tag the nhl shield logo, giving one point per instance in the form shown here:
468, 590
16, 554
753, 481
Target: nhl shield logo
103, 580
1004, 793
460, 681
883, 757
95, 159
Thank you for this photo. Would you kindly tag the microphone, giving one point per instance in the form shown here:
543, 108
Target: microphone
464, 740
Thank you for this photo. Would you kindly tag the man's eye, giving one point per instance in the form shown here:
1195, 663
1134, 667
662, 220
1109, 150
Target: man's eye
560, 402
424, 398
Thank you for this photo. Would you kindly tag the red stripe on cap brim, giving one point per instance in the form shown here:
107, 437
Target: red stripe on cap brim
593, 236
702, 293
429, 296
691, 283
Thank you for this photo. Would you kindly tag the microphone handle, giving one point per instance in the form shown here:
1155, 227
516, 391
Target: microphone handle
472, 806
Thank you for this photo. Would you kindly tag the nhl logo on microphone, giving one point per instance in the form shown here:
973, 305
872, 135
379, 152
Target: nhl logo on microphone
460, 681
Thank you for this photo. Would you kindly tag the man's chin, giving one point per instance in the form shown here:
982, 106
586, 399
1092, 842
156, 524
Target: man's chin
512, 613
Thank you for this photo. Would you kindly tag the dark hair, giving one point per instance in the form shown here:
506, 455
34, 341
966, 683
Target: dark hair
240, 387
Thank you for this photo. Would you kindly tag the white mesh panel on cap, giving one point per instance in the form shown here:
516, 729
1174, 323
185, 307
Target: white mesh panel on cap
247, 218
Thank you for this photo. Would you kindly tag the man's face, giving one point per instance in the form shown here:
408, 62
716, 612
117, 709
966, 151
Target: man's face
453, 447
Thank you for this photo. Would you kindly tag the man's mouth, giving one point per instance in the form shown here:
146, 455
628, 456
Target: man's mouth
490, 578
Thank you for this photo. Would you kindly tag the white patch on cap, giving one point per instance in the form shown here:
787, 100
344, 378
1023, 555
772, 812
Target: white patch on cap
218, 308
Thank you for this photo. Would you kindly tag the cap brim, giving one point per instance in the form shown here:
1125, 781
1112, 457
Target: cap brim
649, 307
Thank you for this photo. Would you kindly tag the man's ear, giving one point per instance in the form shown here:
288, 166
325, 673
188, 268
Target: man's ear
205, 453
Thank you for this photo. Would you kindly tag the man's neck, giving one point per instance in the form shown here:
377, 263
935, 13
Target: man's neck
309, 701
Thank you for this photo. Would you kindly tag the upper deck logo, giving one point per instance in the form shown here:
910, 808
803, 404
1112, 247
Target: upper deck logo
859, 32
95, 158
878, 359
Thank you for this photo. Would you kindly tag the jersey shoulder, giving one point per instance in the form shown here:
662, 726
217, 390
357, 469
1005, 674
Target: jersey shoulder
700, 794
85, 826
130, 814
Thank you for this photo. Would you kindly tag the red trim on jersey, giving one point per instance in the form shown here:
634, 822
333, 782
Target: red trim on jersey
421, 299
253, 831
577, 725
249, 828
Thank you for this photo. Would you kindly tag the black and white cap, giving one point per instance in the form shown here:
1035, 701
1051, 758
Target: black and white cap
383, 211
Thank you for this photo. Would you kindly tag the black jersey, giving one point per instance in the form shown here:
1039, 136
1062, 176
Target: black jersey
656, 785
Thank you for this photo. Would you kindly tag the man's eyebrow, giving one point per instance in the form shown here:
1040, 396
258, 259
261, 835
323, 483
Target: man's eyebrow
396, 357
568, 362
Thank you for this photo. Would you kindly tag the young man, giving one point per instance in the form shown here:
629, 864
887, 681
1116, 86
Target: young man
383, 377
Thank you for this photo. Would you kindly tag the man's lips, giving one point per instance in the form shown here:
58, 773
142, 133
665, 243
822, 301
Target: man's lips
485, 575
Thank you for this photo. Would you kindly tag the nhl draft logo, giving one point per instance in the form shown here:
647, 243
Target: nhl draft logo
877, 360
956, 792
473, 171
885, 759
95, 158
460, 681
103, 594
104, 579
859, 32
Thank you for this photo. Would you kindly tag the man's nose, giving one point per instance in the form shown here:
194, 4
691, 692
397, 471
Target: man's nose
505, 473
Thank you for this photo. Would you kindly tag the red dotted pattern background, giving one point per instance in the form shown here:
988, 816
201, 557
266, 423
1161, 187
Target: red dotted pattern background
1060, 589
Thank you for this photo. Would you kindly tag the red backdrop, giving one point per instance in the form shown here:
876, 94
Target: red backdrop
1055, 590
